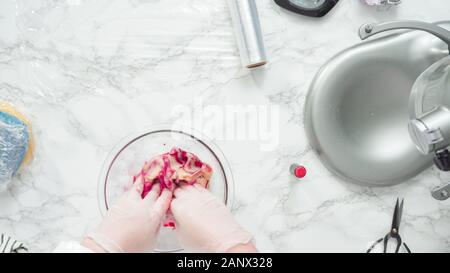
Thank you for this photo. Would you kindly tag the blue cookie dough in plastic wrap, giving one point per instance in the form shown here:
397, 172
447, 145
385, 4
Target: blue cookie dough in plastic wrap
14, 141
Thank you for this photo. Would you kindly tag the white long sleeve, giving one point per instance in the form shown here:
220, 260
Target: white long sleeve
71, 247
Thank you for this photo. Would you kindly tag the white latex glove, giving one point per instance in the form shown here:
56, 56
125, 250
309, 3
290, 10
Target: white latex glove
203, 222
132, 223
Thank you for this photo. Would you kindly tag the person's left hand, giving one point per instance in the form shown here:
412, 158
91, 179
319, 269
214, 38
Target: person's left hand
132, 223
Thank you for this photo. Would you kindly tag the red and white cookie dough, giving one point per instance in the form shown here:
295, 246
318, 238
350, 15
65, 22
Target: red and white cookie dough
172, 169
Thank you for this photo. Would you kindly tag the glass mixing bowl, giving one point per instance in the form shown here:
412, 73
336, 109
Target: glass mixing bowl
128, 157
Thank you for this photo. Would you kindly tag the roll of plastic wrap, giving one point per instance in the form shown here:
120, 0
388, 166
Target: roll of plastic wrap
247, 28
16, 143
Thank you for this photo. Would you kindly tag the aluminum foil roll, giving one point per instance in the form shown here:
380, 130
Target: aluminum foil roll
247, 28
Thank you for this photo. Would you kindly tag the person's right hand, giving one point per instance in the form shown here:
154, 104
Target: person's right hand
204, 223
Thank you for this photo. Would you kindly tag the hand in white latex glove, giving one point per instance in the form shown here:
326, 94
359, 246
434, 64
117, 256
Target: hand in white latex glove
203, 222
132, 223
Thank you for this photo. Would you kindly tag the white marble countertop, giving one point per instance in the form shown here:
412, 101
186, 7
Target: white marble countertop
88, 73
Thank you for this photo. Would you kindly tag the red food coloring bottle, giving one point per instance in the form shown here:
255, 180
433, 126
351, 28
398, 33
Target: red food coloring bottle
298, 170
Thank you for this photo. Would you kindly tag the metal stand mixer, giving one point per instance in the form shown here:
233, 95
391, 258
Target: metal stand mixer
429, 103
429, 127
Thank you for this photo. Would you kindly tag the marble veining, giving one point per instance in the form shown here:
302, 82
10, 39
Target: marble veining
88, 73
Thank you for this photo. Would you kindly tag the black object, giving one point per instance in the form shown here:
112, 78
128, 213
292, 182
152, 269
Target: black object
442, 160
394, 232
313, 8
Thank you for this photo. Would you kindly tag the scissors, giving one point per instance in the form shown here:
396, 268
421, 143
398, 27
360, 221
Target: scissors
394, 232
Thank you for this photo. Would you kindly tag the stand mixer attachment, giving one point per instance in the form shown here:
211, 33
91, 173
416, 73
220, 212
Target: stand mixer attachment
429, 127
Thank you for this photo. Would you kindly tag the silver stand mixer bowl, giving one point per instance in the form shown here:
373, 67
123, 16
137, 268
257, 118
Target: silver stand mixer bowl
356, 112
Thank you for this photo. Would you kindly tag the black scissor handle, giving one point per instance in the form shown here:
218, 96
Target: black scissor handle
385, 246
407, 248
374, 244
392, 236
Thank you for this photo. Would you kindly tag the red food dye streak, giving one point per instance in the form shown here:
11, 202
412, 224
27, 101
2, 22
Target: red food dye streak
198, 164
170, 224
